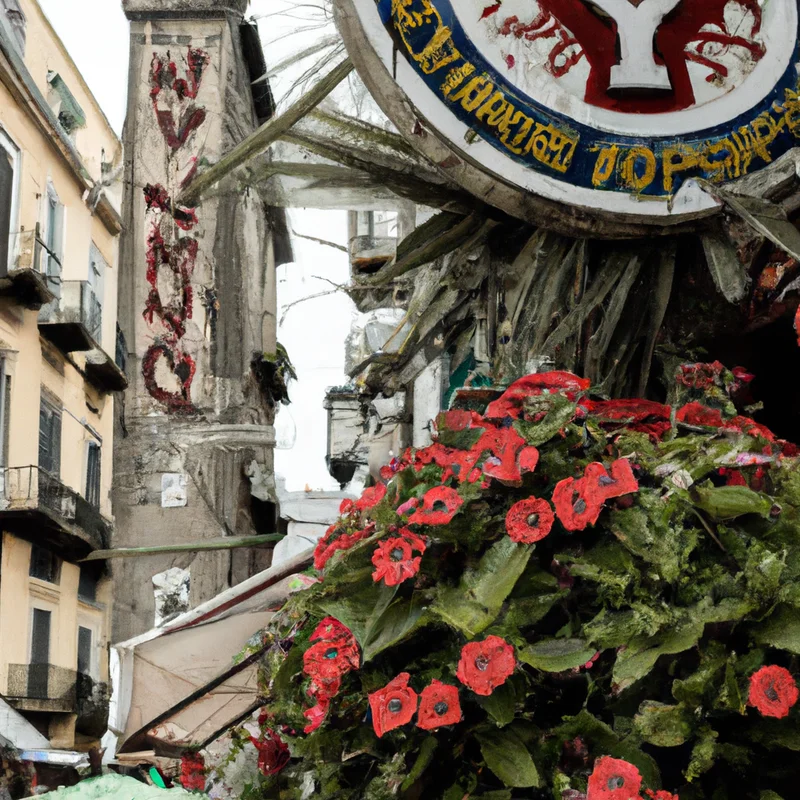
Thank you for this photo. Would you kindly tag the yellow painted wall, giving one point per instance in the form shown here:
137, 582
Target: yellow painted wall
20, 594
34, 364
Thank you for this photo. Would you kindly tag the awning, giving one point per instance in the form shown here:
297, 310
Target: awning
181, 685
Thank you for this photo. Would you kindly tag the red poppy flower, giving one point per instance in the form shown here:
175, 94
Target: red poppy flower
486, 665
620, 482
273, 752
407, 507
346, 506
395, 559
371, 497
528, 459
317, 713
438, 706
504, 445
698, 414
511, 403
439, 506
750, 427
577, 505
642, 416
394, 705
614, 779
328, 661
338, 538
661, 795
733, 477
458, 420
193, 772
331, 630
773, 691
700, 376
529, 521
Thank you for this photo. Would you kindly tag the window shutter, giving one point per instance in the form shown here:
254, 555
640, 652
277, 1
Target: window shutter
7, 420
6, 194
93, 474
44, 437
56, 446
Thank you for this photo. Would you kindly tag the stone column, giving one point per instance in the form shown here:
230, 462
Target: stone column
196, 302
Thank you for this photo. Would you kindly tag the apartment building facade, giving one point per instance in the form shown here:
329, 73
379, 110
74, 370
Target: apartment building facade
61, 361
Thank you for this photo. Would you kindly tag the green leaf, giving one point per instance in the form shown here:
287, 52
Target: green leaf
769, 795
776, 734
508, 758
641, 655
729, 502
557, 655
662, 725
782, 630
703, 682
501, 703
474, 605
703, 754
426, 751
358, 606
395, 624
559, 412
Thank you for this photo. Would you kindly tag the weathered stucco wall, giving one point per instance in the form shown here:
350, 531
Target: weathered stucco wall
197, 301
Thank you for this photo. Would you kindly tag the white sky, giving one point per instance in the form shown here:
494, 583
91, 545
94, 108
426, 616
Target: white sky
95, 32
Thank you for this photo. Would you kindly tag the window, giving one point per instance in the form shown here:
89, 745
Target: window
87, 583
64, 105
45, 565
5, 414
85, 638
54, 240
40, 654
9, 157
50, 437
93, 474
97, 274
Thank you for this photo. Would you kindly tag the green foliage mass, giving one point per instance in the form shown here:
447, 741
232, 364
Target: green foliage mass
634, 638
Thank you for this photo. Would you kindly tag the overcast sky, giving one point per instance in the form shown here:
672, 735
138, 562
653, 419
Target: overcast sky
95, 32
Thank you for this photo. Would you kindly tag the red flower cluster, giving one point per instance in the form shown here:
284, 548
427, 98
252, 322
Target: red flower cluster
643, 416
273, 752
700, 416
395, 559
371, 497
579, 501
614, 779
193, 772
439, 506
486, 665
661, 795
394, 705
338, 538
529, 521
326, 663
511, 403
773, 691
505, 448
438, 706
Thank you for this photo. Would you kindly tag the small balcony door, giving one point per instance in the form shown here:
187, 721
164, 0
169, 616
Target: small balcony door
9, 168
54, 240
40, 654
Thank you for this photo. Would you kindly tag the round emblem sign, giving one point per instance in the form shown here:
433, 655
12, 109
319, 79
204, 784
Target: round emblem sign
612, 106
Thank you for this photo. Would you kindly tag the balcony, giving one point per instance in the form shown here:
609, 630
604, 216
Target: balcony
38, 507
45, 687
26, 279
42, 687
72, 321
369, 253
105, 374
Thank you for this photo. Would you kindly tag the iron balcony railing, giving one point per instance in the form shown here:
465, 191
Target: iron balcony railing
34, 489
77, 304
31, 252
43, 682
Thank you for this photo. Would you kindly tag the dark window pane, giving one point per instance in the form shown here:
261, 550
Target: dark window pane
40, 637
87, 584
6, 194
93, 475
44, 565
84, 650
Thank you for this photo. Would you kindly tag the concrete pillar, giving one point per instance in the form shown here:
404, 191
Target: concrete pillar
196, 302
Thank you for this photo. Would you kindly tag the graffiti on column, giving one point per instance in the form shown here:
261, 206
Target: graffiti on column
172, 247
